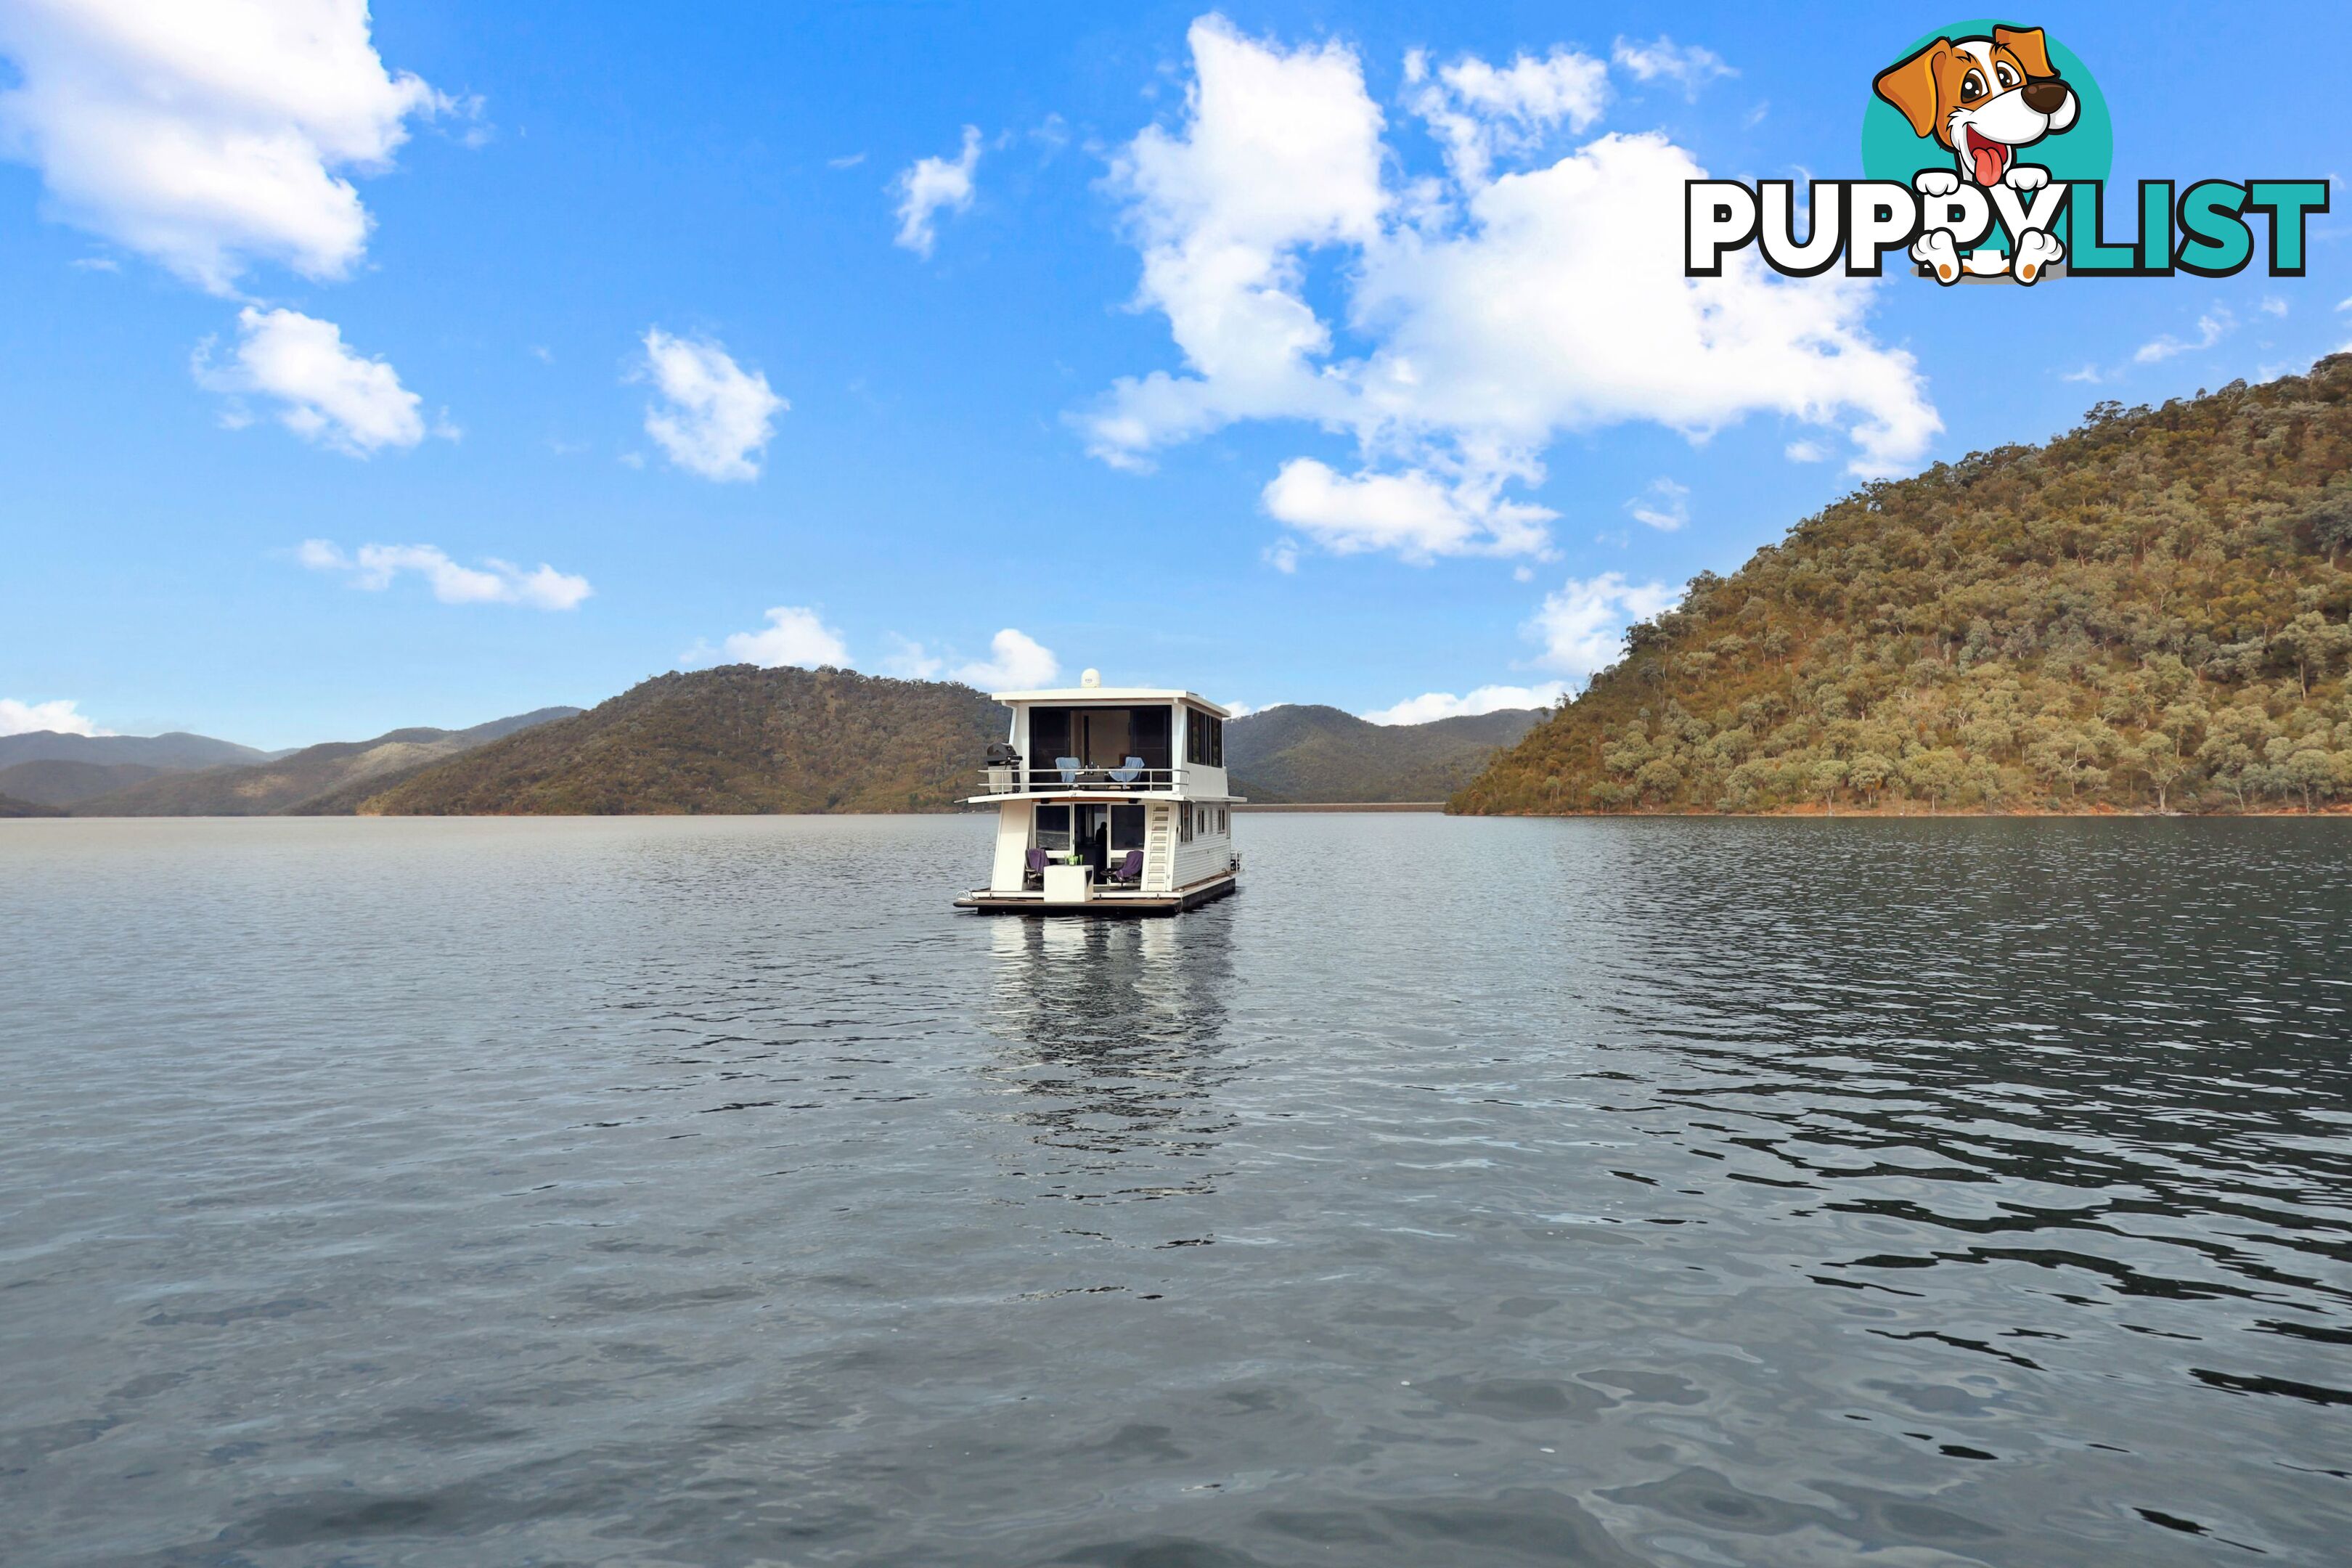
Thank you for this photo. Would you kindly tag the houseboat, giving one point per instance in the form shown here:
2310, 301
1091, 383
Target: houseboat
1109, 800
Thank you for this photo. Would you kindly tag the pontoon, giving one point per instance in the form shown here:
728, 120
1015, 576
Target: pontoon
1109, 800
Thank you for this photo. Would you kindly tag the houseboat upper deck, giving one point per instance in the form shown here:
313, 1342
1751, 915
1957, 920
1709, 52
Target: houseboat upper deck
1110, 800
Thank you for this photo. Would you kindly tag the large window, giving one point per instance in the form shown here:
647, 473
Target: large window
1053, 828
1204, 739
1126, 828
1049, 735
1099, 737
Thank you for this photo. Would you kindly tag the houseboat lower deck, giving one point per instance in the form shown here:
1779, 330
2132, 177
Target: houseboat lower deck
1128, 901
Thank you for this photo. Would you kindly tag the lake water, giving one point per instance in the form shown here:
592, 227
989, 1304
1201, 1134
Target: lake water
705, 1191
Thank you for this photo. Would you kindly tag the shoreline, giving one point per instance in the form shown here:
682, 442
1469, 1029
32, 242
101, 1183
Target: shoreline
1876, 814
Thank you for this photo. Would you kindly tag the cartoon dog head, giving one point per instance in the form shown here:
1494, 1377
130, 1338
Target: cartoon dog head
1982, 97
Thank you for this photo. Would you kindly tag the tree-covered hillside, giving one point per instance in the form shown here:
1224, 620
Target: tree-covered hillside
735, 739
2148, 612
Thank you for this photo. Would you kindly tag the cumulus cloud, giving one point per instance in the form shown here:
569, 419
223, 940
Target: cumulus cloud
909, 660
325, 392
207, 134
1690, 65
798, 635
375, 566
1480, 111
715, 417
2211, 328
23, 717
794, 634
929, 186
1665, 506
1016, 662
1498, 306
1415, 513
1432, 706
1583, 626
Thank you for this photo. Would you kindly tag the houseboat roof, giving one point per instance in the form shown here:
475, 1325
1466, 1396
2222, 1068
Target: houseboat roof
1113, 694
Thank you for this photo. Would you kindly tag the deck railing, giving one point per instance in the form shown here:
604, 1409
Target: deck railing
1013, 778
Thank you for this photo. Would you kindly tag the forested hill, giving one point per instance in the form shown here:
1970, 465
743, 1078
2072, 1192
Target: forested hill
2149, 611
735, 739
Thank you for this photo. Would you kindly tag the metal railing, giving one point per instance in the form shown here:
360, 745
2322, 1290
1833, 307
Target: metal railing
1014, 778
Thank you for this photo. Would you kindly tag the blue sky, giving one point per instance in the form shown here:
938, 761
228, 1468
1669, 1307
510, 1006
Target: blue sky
440, 363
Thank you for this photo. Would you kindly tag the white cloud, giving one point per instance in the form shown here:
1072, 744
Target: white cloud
932, 184
2212, 327
2088, 374
1432, 706
1498, 309
909, 660
23, 717
1665, 506
718, 418
794, 635
1804, 451
1280, 153
326, 393
1282, 556
1583, 626
374, 566
207, 133
1480, 113
1415, 513
1016, 663
847, 161
1688, 64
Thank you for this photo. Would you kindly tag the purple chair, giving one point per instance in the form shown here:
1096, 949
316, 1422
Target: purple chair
1130, 870
1036, 872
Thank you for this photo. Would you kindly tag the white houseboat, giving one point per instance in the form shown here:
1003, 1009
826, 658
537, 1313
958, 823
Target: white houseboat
1109, 800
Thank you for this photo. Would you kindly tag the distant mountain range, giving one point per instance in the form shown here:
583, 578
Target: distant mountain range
735, 739
62, 782
103, 780
738, 738
176, 749
1307, 753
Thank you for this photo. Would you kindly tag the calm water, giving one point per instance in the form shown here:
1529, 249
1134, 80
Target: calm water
706, 1192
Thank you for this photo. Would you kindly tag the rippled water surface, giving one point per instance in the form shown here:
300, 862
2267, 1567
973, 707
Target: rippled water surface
1464, 1192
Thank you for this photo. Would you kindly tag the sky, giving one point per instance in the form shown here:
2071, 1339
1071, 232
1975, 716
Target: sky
428, 363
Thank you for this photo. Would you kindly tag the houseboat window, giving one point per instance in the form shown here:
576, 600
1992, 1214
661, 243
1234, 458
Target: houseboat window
1204, 739
1053, 828
1126, 828
1151, 729
1220, 819
1049, 735
1100, 737
1185, 824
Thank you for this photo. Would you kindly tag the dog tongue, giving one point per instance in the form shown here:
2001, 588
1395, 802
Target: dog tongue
1989, 157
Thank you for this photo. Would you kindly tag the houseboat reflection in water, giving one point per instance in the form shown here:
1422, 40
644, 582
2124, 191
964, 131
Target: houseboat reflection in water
1114, 1049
